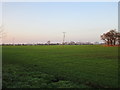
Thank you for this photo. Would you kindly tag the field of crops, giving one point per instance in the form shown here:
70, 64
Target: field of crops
60, 66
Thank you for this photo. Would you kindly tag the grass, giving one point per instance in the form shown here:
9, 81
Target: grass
65, 66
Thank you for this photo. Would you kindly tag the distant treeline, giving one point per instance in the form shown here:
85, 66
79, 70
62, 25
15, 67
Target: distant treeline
52, 44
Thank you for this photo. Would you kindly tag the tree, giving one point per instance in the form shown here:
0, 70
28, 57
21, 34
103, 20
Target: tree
118, 38
111, 38
105, 38
48, 42
72, 43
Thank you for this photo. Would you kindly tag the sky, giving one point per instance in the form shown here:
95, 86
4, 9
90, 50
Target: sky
38, 22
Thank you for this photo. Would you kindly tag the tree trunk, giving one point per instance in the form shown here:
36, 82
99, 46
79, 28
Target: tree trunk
114, 41
111, 42
108, 42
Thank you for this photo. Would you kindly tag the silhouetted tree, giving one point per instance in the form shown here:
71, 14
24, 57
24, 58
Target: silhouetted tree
105, 38
48, 42
111, 37
118, 38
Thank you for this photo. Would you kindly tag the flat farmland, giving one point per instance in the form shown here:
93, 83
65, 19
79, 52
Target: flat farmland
60, 66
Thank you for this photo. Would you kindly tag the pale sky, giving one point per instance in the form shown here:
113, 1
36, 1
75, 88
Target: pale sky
33, 22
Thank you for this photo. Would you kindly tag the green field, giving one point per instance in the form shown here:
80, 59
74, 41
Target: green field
60, 66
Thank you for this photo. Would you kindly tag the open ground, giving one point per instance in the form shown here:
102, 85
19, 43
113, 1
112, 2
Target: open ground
60, 66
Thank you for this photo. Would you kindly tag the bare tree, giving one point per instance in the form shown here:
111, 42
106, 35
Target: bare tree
48, 42
118, 38
105, 38
111, 37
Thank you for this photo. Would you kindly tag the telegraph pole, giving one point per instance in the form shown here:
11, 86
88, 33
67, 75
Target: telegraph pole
64, 38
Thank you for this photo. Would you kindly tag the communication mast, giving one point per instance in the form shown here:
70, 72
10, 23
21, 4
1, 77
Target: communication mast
64, 37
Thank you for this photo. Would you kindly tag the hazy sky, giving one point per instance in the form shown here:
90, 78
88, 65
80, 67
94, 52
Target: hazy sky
33, 22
